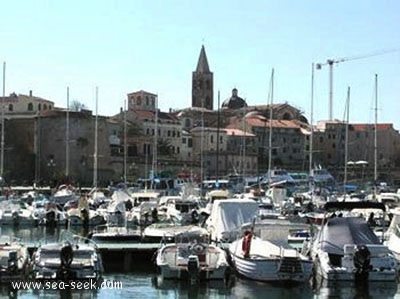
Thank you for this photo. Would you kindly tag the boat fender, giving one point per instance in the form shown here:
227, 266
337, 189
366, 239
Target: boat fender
362, 259
246, 243
198, 248
66, 255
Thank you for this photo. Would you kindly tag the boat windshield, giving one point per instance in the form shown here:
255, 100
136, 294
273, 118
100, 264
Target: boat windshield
50, 254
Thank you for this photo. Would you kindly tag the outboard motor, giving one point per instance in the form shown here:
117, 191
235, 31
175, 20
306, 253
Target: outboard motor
85, 218
66, 257
193, 268
50, 218
15, 217
12, 261
362, 260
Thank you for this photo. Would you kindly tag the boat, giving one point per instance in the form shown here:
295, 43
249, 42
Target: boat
16, 213
115, 234
262, 260
227, 216
192, 257
321, 177
14, 259
72, 258
347, 248
182, 209
64, 193
393, 234
163, 231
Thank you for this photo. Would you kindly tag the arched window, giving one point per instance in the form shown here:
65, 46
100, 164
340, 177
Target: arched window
30, 107
286, 116
44, 107
39, 106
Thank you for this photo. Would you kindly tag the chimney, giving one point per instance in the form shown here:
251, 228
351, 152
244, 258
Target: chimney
30, 93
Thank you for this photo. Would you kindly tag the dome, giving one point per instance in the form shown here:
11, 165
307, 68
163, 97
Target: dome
234, 102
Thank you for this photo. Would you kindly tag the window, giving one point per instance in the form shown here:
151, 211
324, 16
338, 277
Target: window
10, 107
39, 106
184, 140
212, 138
139, 101
44, 107
178, 150
147, 100
30, 107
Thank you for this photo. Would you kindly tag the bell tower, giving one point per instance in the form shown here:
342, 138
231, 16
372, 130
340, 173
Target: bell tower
203, 83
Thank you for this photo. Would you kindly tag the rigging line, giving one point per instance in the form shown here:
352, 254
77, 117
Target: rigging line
371, 54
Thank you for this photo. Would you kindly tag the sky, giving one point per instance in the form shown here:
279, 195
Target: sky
125, 46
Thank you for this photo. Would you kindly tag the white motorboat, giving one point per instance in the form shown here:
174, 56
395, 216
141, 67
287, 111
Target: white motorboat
64, 193
115, 234
347, 248
393, 234
163, 231
16, 213
192, 257
262, 260
74, 258
14, 259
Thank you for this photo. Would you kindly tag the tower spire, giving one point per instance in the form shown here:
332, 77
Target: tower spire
202, 64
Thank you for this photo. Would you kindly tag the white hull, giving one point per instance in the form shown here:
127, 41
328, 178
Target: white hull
383, 268
192, 259
268, 262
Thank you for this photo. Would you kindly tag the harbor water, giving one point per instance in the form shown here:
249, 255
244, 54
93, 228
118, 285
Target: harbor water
143, 281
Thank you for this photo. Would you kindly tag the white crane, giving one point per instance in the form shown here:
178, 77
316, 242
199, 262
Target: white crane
331, 62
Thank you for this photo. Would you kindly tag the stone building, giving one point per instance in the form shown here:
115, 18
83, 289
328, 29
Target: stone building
203, 83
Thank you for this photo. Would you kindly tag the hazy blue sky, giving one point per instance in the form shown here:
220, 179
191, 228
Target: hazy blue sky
125, 46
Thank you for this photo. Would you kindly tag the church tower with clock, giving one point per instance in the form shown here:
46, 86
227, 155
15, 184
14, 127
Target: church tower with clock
203, 83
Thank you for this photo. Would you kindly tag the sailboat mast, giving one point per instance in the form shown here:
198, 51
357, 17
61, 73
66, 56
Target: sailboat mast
2, 122
218, 117
95, 144
346, 144
376, 136
125, 146
270, 129
67, 138
154, 162
202, 145
310, 154
243, 171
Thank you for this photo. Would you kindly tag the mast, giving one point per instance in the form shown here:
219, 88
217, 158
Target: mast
202, 145
346, 145
125, 146
95, 144
67, 138
376, 136
244, 141
2, 122
310, 154
154, 162
218, 117
270, 130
